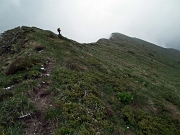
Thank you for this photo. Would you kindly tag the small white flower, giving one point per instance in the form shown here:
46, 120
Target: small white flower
127, 127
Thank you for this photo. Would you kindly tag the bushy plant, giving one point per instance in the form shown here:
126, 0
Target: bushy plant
12, 108
125, 97
144, 123
39, 48
21, 64
1, 130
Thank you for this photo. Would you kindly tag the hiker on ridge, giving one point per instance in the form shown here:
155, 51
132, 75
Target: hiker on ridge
59, 30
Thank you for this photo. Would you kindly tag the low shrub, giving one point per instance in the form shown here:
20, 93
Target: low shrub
39, 48
144, 123
125, 97
12, 108
21, 64
1, 130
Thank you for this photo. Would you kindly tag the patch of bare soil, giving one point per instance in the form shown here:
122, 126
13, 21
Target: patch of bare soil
34, 123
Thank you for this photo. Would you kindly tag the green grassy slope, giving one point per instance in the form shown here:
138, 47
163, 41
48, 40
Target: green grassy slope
52, 85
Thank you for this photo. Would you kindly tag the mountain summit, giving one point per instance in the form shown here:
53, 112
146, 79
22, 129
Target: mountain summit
50, 84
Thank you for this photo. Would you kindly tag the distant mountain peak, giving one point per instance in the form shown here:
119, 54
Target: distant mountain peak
117, 35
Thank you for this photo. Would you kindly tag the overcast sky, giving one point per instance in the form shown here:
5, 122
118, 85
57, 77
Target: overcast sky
156, 21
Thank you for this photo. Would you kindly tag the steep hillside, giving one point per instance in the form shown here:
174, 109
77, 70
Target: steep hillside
50, 84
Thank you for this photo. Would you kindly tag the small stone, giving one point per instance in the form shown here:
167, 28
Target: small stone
8, 88
42, 68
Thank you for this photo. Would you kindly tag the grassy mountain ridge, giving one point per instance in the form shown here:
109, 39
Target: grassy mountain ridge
53, 85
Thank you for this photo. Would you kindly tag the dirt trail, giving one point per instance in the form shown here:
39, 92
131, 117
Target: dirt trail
35, 125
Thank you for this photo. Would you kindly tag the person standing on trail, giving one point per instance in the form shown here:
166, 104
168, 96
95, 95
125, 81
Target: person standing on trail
59, 30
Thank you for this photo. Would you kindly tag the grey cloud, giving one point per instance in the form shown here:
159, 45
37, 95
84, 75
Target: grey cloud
19, 13
155, 21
